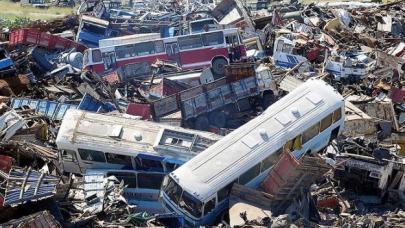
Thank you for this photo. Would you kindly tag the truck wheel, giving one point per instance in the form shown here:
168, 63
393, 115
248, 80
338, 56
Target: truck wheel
218, 66
267, 100
218, 119
201, 123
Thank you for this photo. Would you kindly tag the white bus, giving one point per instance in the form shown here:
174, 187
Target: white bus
94, 140
304, 121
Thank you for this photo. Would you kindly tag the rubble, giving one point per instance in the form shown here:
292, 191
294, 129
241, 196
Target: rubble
196, 113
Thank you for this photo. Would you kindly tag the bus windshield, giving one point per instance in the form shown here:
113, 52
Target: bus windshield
173, 191
191, 204
185, 200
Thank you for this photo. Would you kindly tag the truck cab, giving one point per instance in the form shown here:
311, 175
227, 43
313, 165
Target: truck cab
203, 25
343, 68
92, 29
6, 64
284, 55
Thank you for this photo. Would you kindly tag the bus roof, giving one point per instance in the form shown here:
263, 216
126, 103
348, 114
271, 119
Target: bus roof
122, 135
243, 148
169, 39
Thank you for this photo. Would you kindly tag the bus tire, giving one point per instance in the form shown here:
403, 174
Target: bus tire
202, 123
218, 65
217, 119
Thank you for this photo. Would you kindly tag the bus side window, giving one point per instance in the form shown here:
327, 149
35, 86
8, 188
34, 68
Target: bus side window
150, 180
250, 174
209, 206
270, 160
225, 191
326, 122
91, 155
124, 51
190, 42
159, 47
148, 164
310, 133
96, 55
119, 159
69, 155
294, 144
171, 166
128, 178
213, 38
232, 40
297, 143
146, 48
337, 114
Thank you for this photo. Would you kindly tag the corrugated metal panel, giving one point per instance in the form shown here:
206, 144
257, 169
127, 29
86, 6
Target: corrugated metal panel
288, 173
280, 174
41, 219
51, 109
26, 185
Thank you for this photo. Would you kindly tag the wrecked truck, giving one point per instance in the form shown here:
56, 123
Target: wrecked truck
209, 104
7, 67
92, 29
304, 121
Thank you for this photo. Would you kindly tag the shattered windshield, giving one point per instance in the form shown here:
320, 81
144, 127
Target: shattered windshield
183, 199
173, 190
191, 204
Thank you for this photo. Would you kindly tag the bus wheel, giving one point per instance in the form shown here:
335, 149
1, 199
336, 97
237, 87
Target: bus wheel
217, 118
218, 66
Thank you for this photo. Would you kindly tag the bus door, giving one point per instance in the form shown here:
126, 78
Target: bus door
236, 49
172, 51
109, 60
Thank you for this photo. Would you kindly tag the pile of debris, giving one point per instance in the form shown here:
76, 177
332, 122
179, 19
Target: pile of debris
112, 116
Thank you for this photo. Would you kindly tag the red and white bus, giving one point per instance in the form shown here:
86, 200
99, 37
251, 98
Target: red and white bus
213, 48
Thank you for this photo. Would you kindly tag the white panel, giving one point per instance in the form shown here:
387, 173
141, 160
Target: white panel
314, 98
283, 118
115, 131
252, 140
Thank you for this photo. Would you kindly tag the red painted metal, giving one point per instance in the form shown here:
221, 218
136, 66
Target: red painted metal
43, 39
5, 163
112, 77
279, 175
166, 87
138, 109
200, 58
331, 202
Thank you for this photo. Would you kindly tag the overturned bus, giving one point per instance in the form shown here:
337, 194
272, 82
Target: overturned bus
304, 121
115, 142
